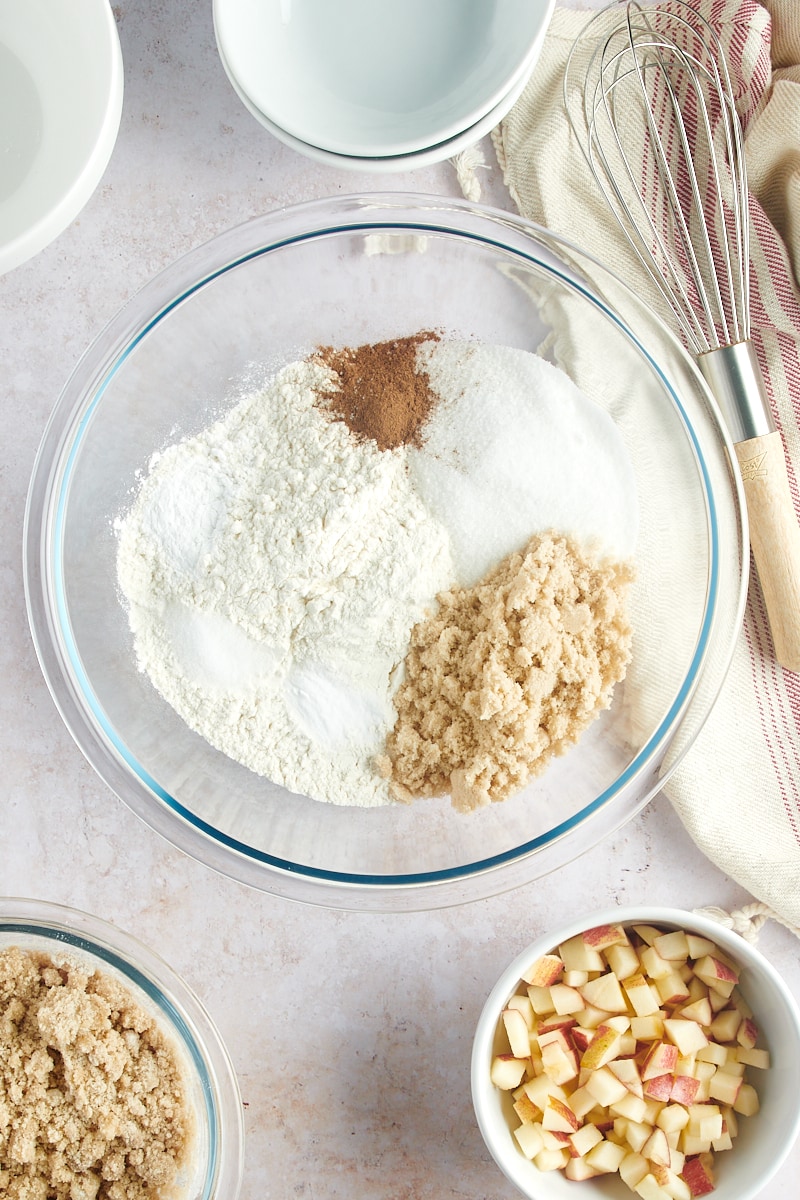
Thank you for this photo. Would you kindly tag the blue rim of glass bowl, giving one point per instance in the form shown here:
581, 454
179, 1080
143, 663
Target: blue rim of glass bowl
96, 950
428, 877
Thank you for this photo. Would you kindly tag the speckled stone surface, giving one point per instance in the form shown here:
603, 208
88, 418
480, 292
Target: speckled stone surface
350, 1034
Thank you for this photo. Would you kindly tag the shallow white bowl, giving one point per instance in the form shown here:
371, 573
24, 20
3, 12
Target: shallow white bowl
764, 1140
389, 163
60, 107
377, 78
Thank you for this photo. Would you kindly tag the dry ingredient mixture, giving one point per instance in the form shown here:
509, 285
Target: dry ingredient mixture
275, 565
92, 1100
508, 673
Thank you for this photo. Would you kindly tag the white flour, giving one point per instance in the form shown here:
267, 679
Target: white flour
273, 567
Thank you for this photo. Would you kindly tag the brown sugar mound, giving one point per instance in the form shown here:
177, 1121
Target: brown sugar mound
507, 674
381, 393
92, 1101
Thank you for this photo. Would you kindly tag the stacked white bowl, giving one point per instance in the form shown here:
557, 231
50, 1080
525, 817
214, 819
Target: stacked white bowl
382, 85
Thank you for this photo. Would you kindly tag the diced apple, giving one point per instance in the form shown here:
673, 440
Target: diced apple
507, 1071
659, 1087
559, 1064
541, 1000
725, 1087
606, 1156
590, 1017
747, 1033
688, 1036
578, 1169
627, 1072
582, 1102
555, 1139
603, 936
537, 1090
698, 1174
673, 945
730, 1120
556, 1031
720, 999
673, 1117
656, 1148
747, 1101
660, 1059
558, 1117
705, 1121
630, 1106
633, 1169
649, 1188
577, 956
623, 960
724, 1141
699, 946
684, 1089
602, 1048
653, 964
529, 1139
551, 1160
584, 1138
714, 1053
605, 1087
648, 1028
644, 999
517, 1032
753, 1058
544, 971
691, 1144
671, 989
574, 979
675, 1187
526, 1110
697, 1010
605, 992
523, 1004
565, 999
725, 1025
647, 933
717, 973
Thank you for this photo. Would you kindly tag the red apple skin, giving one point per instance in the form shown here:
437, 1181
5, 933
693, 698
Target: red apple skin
545, 970
698, 1179
711, 966
553, 1023
604, 935
684, 1089
659, 1087
661, 1058
748, 1033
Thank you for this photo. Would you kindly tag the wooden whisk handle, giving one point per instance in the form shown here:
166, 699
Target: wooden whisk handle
775, 539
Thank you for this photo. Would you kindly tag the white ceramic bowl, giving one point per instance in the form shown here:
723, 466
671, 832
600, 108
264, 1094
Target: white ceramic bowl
764, 1139
372, 78
390, 163
60, 107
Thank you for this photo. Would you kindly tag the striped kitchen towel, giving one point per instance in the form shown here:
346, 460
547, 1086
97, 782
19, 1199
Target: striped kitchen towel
737, 791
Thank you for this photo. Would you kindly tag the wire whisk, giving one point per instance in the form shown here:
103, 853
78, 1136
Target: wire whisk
649, 96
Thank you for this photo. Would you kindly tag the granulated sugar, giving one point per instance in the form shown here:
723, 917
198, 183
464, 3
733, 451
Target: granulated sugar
516, 447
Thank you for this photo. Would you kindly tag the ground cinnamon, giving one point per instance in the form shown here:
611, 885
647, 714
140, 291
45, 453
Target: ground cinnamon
382, 394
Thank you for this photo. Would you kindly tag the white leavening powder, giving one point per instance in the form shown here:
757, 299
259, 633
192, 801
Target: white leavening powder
273, 567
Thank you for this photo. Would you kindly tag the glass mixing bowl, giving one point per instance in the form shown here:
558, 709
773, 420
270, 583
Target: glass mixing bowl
343, 272
214, 1169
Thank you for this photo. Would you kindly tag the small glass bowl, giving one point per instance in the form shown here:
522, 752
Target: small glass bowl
217, 1155
341, 272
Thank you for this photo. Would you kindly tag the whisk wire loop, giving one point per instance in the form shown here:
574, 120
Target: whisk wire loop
658, 127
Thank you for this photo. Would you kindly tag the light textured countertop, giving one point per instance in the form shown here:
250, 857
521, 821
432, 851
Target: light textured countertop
351, 1034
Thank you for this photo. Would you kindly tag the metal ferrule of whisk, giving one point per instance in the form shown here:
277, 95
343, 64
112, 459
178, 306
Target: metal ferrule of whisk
735, 378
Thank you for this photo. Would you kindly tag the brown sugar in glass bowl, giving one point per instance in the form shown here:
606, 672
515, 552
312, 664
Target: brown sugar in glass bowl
107, 1021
